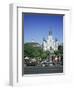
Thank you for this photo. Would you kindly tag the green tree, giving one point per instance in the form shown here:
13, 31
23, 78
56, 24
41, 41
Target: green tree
35, 52
31, 51
59, 52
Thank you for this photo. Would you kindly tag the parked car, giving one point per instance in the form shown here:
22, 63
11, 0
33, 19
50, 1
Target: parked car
45, 63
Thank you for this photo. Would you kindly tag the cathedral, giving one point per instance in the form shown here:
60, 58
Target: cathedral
50, 44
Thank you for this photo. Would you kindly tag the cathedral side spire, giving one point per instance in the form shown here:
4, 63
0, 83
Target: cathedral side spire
56, 39
44, 39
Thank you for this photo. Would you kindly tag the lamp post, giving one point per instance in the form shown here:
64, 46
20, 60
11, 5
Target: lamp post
51, 55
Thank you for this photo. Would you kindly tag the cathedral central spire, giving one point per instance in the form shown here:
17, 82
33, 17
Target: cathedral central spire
50, 32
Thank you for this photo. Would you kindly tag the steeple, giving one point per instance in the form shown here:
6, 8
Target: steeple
56, 39
50, 32
44, 39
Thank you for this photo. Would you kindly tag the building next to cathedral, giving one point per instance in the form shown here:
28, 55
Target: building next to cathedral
50, 43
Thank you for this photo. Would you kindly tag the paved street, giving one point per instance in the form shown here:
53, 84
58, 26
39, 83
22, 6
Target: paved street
37, 70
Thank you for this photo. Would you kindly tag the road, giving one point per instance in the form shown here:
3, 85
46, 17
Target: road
39, 70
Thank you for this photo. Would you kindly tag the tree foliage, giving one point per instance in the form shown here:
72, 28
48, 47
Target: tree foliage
59, 52
34, 52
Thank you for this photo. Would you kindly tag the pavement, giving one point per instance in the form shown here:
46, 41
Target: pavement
40, 70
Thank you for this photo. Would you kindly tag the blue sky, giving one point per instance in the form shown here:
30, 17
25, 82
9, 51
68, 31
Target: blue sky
37, 27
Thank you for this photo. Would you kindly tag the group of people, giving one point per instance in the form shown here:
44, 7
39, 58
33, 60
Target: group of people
56, 59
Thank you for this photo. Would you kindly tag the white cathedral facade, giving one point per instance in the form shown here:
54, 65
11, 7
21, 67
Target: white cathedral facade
50, 43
